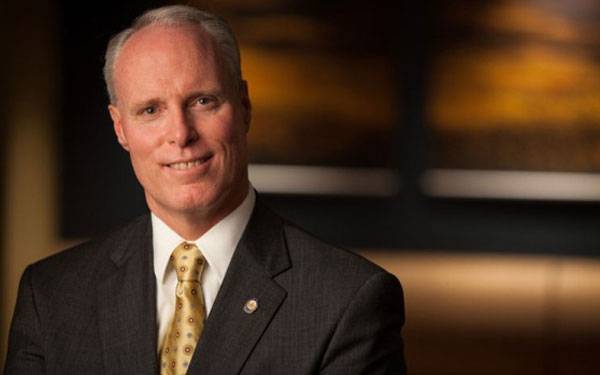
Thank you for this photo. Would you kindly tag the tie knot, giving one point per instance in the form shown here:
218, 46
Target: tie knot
188, 262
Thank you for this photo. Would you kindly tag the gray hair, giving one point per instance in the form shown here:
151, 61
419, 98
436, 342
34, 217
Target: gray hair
176, 15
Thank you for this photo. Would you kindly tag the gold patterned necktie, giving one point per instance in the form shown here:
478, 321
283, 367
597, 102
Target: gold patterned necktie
188, 321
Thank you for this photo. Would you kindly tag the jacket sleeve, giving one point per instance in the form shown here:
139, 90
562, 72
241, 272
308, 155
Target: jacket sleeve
367, 339
25, 349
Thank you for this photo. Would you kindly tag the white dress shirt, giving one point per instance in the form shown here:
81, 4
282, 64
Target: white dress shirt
217, 245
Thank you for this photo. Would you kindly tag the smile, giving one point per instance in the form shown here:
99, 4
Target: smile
183, 165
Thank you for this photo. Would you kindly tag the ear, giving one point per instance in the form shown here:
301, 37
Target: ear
115, 115
246, 104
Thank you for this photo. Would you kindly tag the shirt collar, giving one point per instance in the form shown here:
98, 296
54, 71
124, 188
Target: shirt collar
217, 245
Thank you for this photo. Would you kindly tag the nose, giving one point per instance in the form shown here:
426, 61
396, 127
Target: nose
181, 130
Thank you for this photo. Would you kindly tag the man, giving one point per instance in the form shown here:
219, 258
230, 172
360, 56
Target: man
212, 282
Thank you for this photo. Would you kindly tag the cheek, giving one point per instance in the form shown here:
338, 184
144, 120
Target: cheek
235, 141
230, 132
232, 143
142, 144
141, 141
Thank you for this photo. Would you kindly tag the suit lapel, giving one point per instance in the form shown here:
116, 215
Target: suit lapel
127, 305
230, 333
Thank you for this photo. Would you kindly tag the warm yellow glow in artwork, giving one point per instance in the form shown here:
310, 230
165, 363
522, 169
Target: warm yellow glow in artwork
526, 86
314, 107
521, 92
530, 17
351, 89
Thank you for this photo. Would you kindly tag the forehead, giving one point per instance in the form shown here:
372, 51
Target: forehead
169, 39
163, 52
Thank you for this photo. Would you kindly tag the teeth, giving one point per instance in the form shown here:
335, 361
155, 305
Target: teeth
185, 165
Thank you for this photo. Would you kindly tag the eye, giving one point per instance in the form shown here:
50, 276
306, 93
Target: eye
205, 102
147, 111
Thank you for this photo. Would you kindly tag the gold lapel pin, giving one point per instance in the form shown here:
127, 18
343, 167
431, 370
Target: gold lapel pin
250, 306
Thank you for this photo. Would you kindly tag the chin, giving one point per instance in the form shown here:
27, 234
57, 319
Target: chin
196, 204
205, 201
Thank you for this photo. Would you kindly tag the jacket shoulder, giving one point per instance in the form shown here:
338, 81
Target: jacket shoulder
306, 248
86, 257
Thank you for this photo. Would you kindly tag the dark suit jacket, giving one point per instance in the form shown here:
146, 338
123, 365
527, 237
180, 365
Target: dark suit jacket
92, 309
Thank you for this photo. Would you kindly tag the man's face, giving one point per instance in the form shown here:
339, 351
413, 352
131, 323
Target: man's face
182, 122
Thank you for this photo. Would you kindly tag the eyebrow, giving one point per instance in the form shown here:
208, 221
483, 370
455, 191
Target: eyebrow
213, 92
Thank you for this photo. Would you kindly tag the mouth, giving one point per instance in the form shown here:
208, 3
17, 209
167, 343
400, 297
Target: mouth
184, 165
